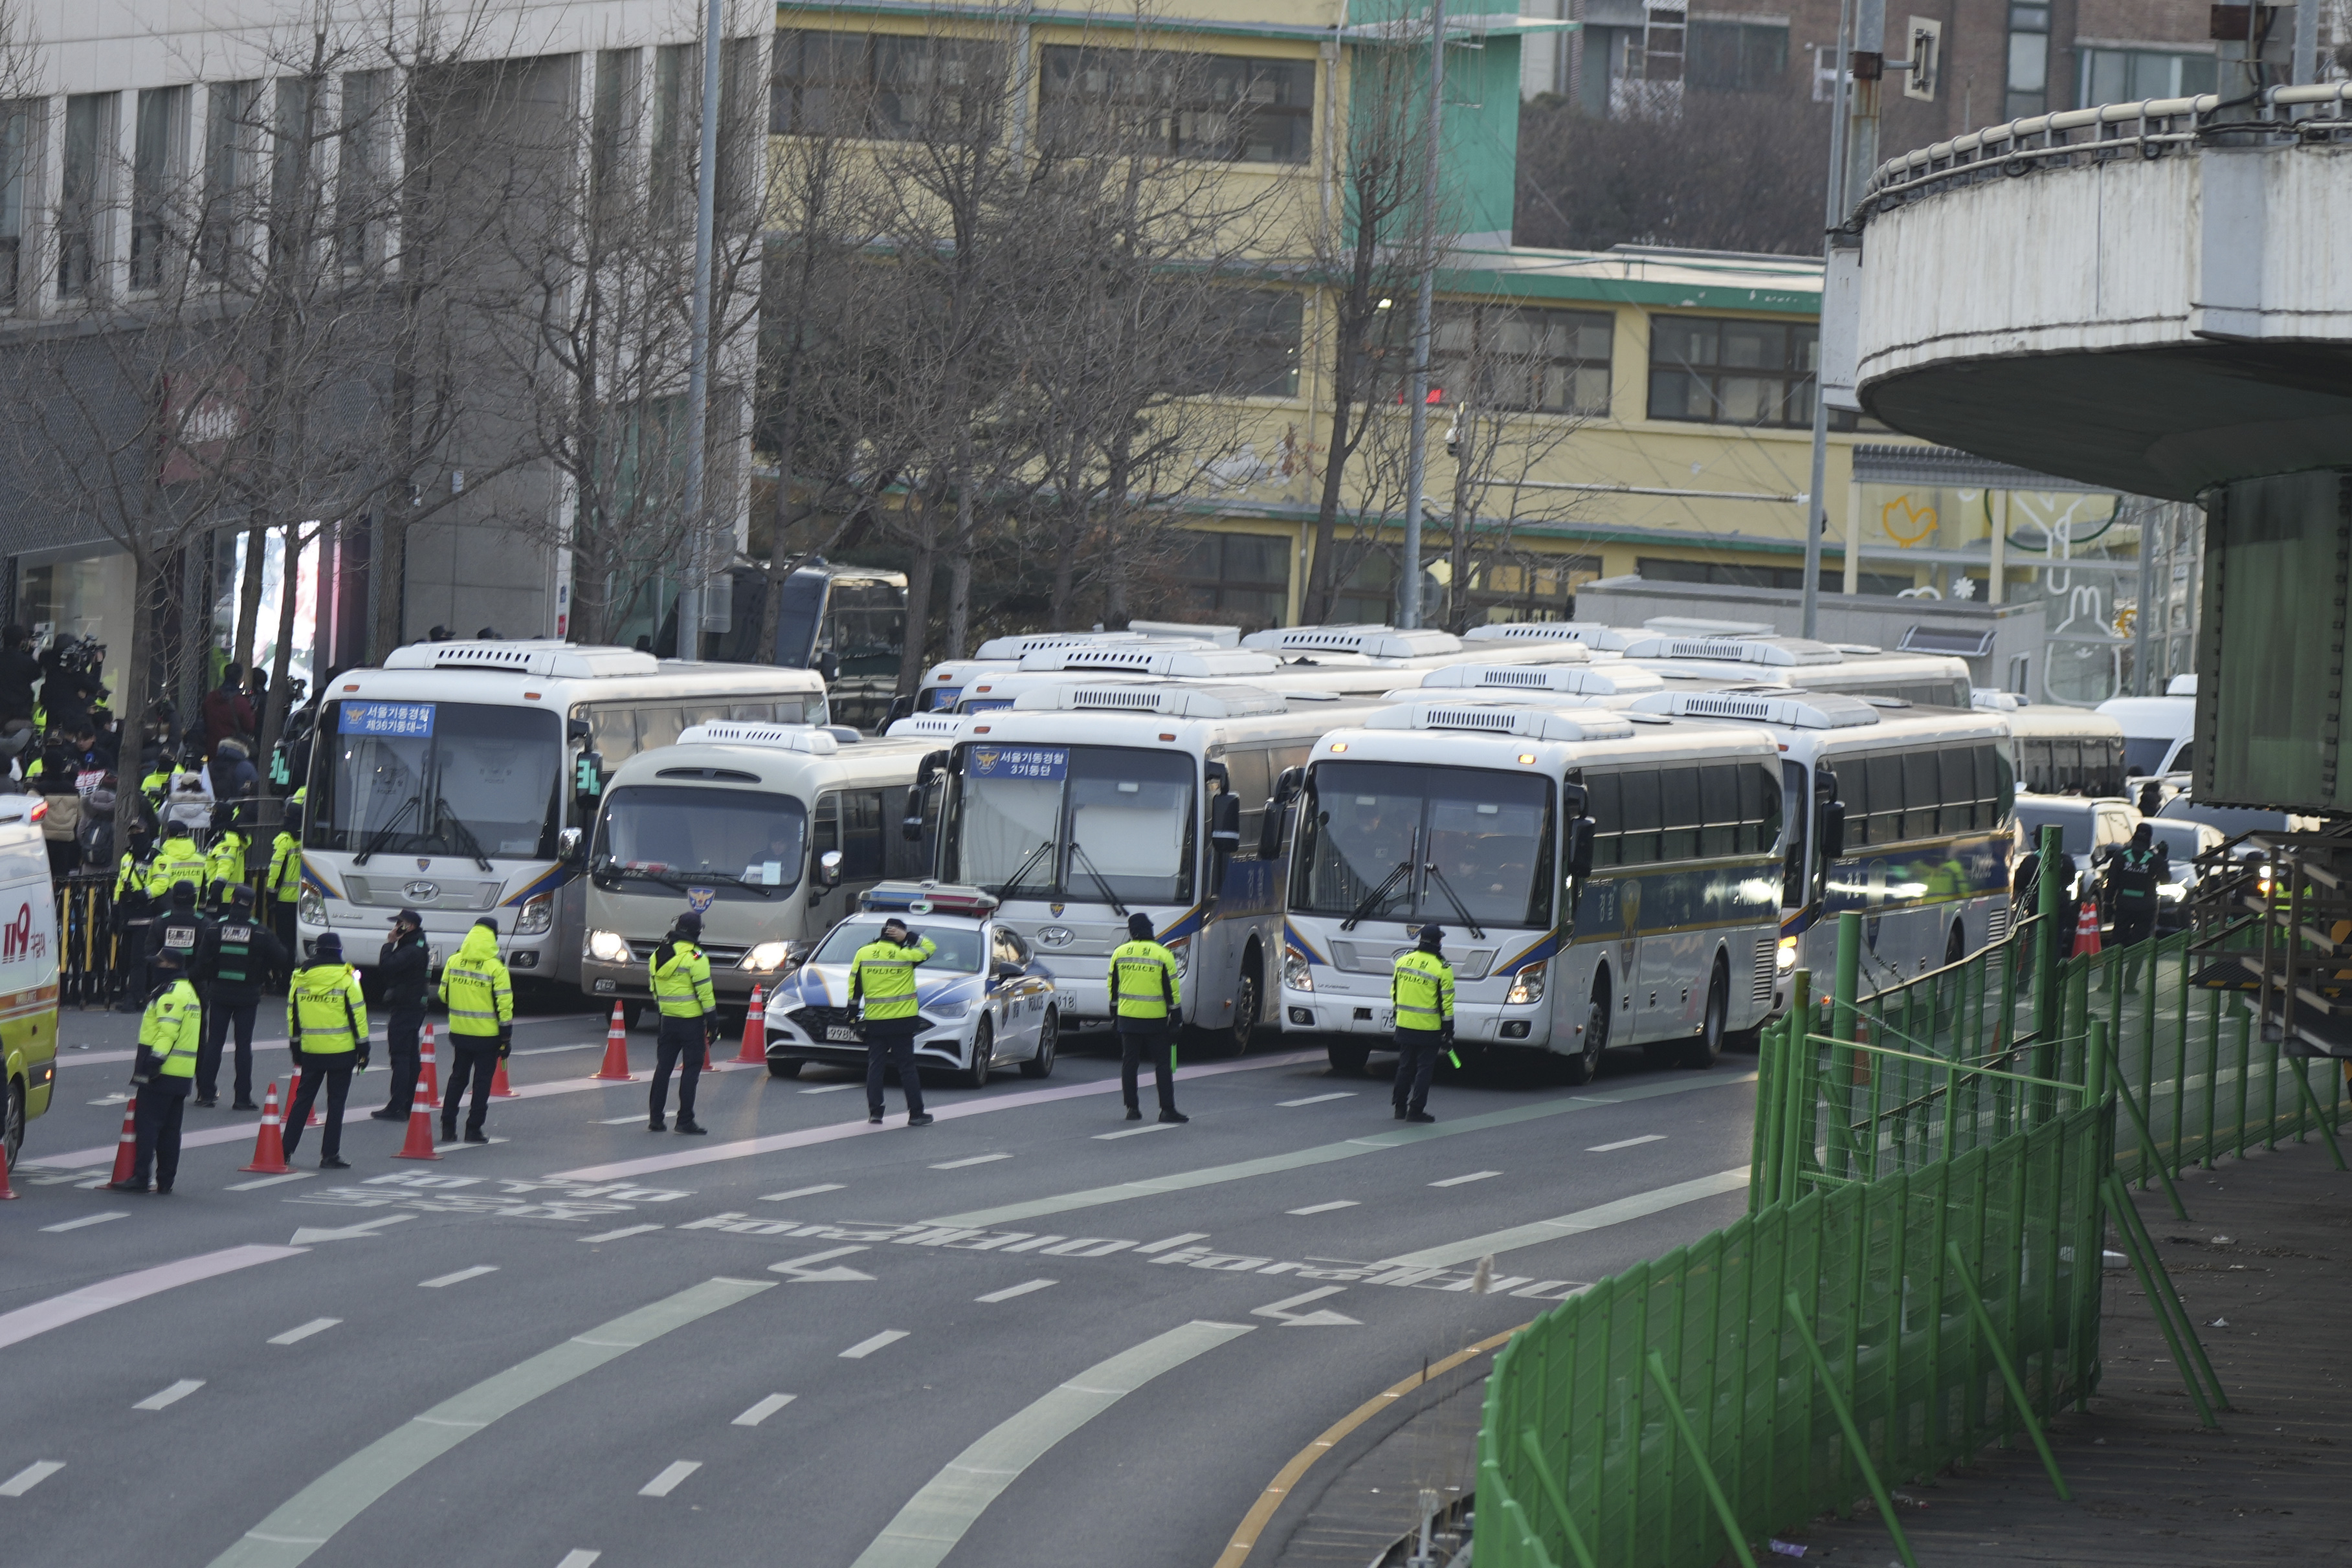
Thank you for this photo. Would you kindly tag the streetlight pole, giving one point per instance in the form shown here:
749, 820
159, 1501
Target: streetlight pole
1417, 445
1832, 215
697, 355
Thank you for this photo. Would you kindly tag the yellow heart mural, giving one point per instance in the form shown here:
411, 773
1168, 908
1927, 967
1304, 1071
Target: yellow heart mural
1919, 520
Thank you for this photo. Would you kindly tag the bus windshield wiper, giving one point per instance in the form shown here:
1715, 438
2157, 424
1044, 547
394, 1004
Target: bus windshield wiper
1004, 888
459, 834
383, 835
1371, 900
1451, 898
1078, 854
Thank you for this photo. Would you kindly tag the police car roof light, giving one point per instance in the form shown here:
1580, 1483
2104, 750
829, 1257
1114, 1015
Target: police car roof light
927, 898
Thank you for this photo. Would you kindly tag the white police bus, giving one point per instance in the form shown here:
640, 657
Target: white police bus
1604, 878
1902, 813
450, 781
1083, 803
1769, 659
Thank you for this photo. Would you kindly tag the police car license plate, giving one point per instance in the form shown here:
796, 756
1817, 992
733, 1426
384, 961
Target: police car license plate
1387, 1020
840, 1032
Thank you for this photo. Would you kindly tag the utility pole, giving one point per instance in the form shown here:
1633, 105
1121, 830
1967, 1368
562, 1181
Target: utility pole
1833, 211
697, 355
1417, 445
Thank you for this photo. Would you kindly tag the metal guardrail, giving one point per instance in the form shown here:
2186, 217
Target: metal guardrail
2148, 129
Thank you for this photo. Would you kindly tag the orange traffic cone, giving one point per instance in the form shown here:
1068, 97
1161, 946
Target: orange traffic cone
428, 1072
270, 1142
126, 1147
499, 1087
2087, 930
755, 1032
616, 1051
423, 1107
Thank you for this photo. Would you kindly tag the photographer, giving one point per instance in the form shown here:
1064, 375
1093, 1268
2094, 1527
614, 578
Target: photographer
19, 673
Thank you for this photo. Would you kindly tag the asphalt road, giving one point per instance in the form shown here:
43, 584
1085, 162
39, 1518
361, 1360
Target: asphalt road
1029, 1333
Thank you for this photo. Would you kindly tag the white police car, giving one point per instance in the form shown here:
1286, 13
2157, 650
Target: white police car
983, 998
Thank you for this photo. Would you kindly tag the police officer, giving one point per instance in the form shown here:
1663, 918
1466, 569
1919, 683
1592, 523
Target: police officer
882, 985
2133, 873
405, 971
132, 920
240, 953
680, 976
1143, 991
326, 1020
169, 1040
176, 860
480, 998
285, 884
225, 861
181, 929
1422, 991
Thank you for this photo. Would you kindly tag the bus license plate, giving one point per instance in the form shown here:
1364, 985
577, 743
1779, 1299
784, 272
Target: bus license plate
840, 1032
1388, 1020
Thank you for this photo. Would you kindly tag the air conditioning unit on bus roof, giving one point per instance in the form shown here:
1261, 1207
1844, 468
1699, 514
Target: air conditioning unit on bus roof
1155, 658
1583, 680
1524, 723
1030, 642
1192, 631
1167, 702
1585, 634
1789, 708
1778, 651
540, 656
925, 726
803, 737
1371, 641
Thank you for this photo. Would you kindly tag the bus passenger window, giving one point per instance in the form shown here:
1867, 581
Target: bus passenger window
861, 835
1760, 809
1958, 765
1923, 791
1885, 800
1678, 805
1718, 801
1601, 803
1853, 789
1637, 808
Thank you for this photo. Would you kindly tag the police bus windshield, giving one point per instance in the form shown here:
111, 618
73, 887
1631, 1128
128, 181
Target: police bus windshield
745, 841
1372, 832
1084, 824
474, 779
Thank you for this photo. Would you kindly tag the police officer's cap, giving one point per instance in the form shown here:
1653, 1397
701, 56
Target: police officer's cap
410, 916
165, 959
1138, 925
240, 895
1432, 934
329, 945
486, 924
690, 923
175, 828
183, 896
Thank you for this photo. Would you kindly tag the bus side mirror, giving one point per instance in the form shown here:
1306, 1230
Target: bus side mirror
828, 870
899, 708
1579, 848
910, 825
571, 844
828, 666
1225, 825
1832, 834
1286, 790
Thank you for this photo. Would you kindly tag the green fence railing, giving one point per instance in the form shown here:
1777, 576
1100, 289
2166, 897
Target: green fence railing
1791, 1362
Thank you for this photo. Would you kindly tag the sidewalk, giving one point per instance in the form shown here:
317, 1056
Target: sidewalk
2266, 1270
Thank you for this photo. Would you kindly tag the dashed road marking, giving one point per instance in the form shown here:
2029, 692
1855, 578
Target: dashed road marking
164, 1398
578, 1558
259, 1182
666, 1482
1640, 1206
90, 1219
1165, 1242
1325, 1207
1317, 1099
40, 1317
622, 1120
802, 1192
762, 1410
462, 1144
974, 1160
459, 1278
296, 1335
1010, 1291
1460, 1180
866, 1347
625, 1230
830, 1088
1134, 1132
31, 1476
1626, 1144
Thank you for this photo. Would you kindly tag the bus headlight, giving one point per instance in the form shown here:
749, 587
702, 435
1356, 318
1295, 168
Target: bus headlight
608, 947
310, 907
1297, 975
1527, 985
767, 957
537, 915
1785, 959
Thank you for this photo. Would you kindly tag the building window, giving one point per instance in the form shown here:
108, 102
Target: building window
89, 135
16, 122
2129, 75
291, 192
2029, 60
361, 166
888, 85
1737, 57
678, 103
1369, 596
1204, 106
611, 131
1237, 578
1503, 356
1732, 373
155, 157
1736, 574
228, 170
1254, 335
1528, 587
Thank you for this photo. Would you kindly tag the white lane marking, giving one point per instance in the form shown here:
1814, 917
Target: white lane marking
31, 1476
866, 1347
1319, 1318
578, 1558
666, 1482
296, 1335
313, 1516
1460, 1180
366, 1230
762, 1410
1640, 1206
1132, 1132
1325, 1207
90, 1219
259, 1182
74, 1305
745, 1148
165, 1397
974, 1160
1010, 1291
802, 1192
1165, 1242
937, 1517
459, 1278
462, 1144
624, 1121
551, 1050
803, 1269
71, 1057
830, 1088
1317, 1099
625, 1230
1626, 1144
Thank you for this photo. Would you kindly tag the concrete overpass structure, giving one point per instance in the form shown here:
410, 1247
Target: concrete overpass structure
2152, 297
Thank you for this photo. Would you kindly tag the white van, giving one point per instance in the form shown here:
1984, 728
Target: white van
2159, 732
28, 970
